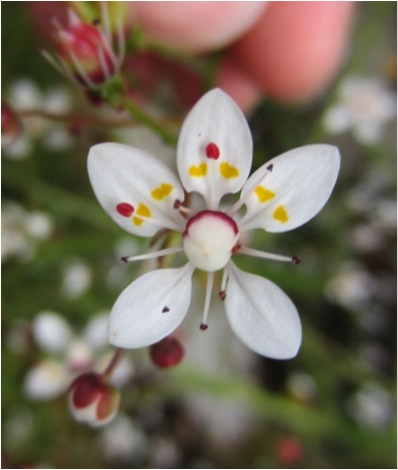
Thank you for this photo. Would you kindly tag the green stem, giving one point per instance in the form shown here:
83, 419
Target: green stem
148, 121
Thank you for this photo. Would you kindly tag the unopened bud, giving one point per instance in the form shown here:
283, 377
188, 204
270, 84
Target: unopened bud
11, 127
85, 50
167, 353
92, 400
289, 451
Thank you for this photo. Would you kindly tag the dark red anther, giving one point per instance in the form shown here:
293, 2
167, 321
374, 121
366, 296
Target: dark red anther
223, 295
203, 326
296, 259
212, 151
236, 248
125, 209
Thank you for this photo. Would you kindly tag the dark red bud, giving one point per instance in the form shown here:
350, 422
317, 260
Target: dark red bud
11, 126
167, 353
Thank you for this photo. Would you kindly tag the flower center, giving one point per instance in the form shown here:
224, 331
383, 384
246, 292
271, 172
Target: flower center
209, 238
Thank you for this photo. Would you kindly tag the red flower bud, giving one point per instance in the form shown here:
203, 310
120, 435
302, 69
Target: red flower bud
11, 126
85, 51
167, 353
289, 451
92, 400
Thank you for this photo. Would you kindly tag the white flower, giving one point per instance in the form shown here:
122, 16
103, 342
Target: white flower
22, 231
214, 157
365, 105
71, 355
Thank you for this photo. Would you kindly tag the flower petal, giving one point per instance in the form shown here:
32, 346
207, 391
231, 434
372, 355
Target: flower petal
214, 151
294, 191
130, 182
261, 315
151, 307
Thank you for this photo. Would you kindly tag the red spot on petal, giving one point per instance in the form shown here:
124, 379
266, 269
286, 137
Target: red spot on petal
125, 209
212, 151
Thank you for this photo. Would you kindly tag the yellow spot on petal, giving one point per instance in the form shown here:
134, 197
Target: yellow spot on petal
228, 171
264, 194
198, 171
280, 214
157, 194
163, 190
166, 188
141, 210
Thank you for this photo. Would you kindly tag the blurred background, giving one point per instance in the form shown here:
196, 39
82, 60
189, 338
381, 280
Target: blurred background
333, 406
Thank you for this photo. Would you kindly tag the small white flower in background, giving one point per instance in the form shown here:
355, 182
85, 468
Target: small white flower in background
364, 107
46, 380
76, 279
214, 157
24, 95
372, 406
121, 440
22, 230
69, 355
352, 286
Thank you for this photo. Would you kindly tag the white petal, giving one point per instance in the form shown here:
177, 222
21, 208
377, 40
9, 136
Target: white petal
296, 189
215, 119
121, 174
46, 380
261, 315
51, 332
151, 307
95, 333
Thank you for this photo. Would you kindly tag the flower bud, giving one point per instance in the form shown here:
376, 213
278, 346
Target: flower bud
167, 353
86, 51
92, 400
289, 451
11, 127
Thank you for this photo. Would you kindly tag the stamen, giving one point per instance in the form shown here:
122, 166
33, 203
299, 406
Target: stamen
104, 65
184, 210
244, 250
108, 49
56, 24
67, 71
155, 254
105, 19
89, 83
209, 288
223, 287
238, 204
59, 65
121, 41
